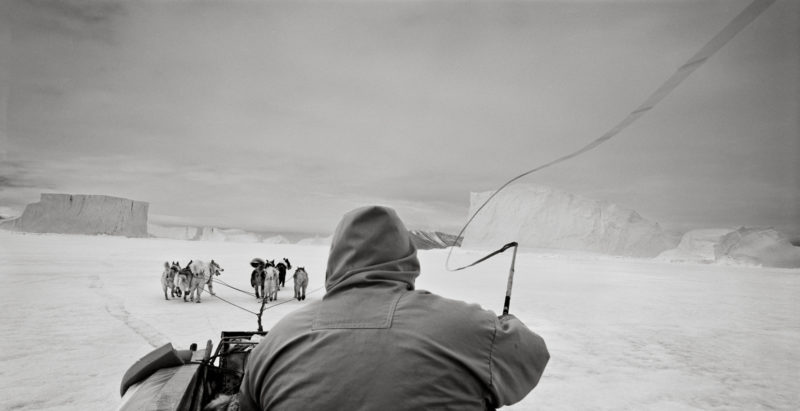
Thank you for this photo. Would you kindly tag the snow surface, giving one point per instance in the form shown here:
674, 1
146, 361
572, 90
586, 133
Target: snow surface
624, 334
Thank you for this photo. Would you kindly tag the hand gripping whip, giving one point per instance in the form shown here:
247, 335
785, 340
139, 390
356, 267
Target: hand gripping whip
514, 244
507, 301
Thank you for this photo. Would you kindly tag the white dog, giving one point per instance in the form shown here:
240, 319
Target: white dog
168, 279
202, 273
183, 280
271, 283
300, 283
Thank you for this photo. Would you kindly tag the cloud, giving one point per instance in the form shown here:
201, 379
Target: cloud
20, 174
80, 18
250, 113
9, 212
7, 182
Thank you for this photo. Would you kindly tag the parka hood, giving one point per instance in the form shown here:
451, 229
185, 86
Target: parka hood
371, 245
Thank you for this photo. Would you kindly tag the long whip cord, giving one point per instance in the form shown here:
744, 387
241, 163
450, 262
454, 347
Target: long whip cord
738, 23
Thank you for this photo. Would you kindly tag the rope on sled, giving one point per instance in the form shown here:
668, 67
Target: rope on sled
739, 22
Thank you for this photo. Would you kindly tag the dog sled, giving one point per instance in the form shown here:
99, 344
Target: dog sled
167, 379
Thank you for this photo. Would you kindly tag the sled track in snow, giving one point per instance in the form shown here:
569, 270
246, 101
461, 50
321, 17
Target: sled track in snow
117, 310
145, 330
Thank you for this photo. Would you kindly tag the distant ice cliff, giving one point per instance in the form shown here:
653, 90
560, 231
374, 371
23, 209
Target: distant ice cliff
82, 214
765, 247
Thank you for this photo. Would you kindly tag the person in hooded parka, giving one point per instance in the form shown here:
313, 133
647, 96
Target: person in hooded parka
374, 342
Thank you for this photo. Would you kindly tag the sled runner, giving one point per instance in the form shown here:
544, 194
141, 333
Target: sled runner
167, 379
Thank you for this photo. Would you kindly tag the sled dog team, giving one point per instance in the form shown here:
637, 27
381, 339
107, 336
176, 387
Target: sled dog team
266, 278
189, 281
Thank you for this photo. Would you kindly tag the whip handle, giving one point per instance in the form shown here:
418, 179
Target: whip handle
507, 301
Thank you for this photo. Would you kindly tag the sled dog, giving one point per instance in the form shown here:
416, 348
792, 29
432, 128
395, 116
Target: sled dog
202, 274
300, 283
168, 279
271, 283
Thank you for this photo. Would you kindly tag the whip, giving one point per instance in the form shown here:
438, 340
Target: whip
739, 22
510, 284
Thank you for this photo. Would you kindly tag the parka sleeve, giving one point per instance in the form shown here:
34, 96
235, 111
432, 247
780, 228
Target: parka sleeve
247, 401
518, 359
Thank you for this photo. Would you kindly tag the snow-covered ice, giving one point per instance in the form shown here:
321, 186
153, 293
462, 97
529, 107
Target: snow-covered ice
77, 311
546, 217
212, 234
752, 246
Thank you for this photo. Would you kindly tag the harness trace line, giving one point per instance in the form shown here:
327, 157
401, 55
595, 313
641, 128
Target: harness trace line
250, 294
235, 305
739, 22
264, 306
264, 302
237, 289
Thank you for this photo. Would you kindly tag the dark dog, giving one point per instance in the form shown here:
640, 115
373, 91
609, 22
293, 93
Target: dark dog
282, 271
258, 276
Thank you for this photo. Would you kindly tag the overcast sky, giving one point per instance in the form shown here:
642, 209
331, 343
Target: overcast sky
283, 115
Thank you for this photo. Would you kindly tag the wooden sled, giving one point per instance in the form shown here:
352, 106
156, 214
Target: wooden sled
167, 379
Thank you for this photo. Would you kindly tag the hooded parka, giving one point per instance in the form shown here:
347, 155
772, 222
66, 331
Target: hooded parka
376, 343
